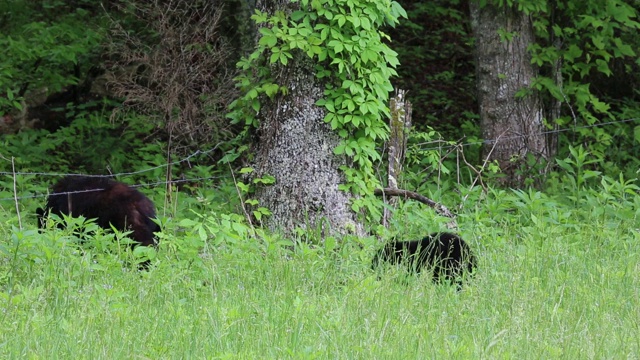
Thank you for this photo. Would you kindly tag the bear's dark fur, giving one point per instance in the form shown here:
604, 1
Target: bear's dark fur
107, 201
446, 253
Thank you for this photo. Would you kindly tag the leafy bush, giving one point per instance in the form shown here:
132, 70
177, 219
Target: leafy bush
89, 145
45, 55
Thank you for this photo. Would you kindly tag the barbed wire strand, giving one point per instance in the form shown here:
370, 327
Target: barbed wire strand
153, 184
491, 141
123, 174
205, 152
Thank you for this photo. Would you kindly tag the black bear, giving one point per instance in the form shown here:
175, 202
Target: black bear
107, 201
446, 253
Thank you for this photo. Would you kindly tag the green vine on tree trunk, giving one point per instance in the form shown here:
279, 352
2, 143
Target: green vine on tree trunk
345, 40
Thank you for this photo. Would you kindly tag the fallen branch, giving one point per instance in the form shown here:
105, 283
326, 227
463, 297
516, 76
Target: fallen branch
439, 208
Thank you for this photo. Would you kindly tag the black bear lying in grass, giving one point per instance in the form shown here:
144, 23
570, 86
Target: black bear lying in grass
445, 253
107, 201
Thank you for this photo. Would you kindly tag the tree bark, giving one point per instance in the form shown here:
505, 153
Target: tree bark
295, 146
512, 126
399, 124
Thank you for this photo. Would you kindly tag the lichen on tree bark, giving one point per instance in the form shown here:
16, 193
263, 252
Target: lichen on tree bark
296, 147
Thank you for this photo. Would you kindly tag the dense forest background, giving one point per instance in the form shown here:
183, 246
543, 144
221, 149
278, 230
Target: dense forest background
186, 101
89, 82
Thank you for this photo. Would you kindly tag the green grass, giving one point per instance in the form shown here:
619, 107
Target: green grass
553, 282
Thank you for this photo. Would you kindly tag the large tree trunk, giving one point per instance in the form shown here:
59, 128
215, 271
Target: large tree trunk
296, 146
511, 126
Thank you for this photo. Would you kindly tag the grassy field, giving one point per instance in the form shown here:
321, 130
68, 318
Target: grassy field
555, 280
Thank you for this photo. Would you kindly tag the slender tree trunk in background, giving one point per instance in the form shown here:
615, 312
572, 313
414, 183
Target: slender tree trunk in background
296, 146
512, 126
399, 124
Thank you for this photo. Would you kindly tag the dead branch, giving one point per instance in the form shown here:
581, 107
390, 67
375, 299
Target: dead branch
179, 78
439, 208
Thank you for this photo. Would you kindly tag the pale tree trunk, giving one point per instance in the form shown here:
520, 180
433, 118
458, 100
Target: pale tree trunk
511, 126
399, 124
296, 146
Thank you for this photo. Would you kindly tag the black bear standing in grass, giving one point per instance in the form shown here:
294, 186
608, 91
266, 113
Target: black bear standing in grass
447, 254
107, 201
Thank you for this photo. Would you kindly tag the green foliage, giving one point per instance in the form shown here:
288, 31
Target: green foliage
90, 144
345, 41
579, 182
594, 41
83, 245
435, 50
42, 55
216, 282
621, 154
424, 151
575, 168
245, 190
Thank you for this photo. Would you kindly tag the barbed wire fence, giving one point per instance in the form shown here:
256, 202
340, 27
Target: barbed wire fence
491, 141
443, 146
186, 159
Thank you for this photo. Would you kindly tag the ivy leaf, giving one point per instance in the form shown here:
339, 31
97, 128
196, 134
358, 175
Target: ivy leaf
397, 10
355, 21
364, 109
572, 53
622, 49
348, 150
603, 67
252, 94
259, 17
373, 107
350, 105
265, 31
335, 122
322, 56
305, 32
599, 106
598, 42
314, 50
393, 60
283, 58
297, 15
366, 24
255, 105
336, 45
330, 106
268, 41
270, 89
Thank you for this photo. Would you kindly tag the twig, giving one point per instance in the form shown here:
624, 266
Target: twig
484, 164
15, 191
439, 208
244, 209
